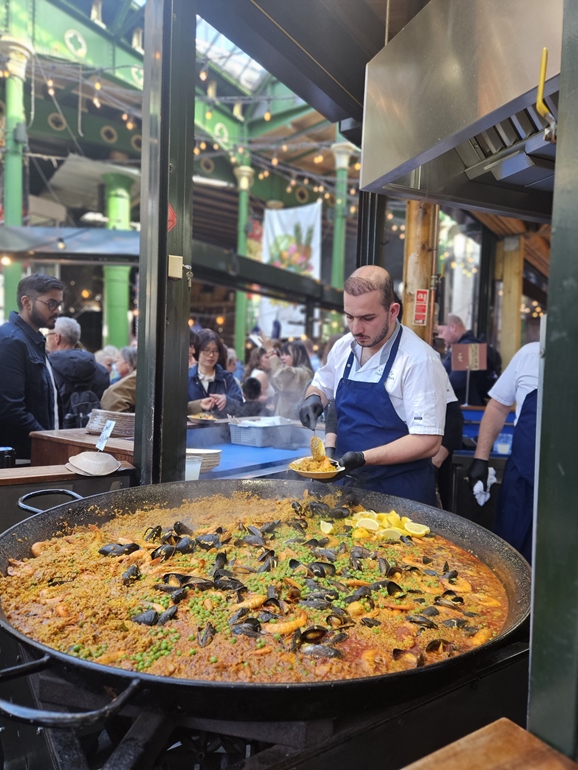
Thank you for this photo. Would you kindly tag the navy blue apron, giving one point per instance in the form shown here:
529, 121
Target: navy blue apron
367, 419
514, 512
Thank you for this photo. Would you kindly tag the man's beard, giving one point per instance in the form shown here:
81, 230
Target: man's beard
39, 322
373, 341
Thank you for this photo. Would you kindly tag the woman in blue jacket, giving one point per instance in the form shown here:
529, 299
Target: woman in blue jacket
211, 387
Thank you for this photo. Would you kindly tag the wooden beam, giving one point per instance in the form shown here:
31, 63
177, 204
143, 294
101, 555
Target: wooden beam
513, 276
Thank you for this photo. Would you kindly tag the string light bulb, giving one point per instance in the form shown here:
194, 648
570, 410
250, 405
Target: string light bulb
203, 74
60, 244
274, 161
97, 85
196, 151
124, 116
216, 146
203, 145
130, 124
357, 166
267, 115
96, 102
209, 114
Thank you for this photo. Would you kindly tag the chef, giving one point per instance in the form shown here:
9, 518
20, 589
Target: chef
389, 388
514, 511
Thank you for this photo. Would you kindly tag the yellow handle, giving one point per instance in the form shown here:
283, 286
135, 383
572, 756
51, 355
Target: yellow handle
540, 104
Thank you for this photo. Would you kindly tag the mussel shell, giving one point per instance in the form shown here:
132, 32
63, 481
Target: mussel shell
315, 604
430, 572
439, 645
228, 584
205, 635
182, 529
167, 615
320, 651
337, 513
152, 533
299, 524
268, 564
359, 552
355, 564
163, 552
180, 593
450, 575
406, 539
329, 594
208, 541
169, 537
313, 634
421, 620
454, 623
273, 604
176, 579
239, 615
131, 574
311, 543
430, 612
318, 508
254, 540
244, 629
186, 545
322, 568
379, 584
148, 618
272, 592
118, 549
370, 622
427, 560
220, 561
270, 526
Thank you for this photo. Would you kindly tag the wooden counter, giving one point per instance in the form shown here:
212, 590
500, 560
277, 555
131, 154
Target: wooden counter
54, 447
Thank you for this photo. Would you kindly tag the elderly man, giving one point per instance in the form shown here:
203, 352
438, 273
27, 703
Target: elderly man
28, 396
455, 333
390, 393
75, 371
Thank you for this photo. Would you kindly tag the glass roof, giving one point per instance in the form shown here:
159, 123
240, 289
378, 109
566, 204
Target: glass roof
219, 50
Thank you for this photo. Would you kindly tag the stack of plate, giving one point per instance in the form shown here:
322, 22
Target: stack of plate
93, 464
124, 423
210, 458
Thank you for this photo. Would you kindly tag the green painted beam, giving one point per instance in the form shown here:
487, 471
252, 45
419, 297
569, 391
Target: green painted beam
124, 19
259, 126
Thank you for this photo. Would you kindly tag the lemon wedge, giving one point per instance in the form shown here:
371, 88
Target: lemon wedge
389, 534
326, 527
417, 530
360, 534
370, 524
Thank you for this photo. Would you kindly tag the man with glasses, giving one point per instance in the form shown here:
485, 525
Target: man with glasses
28, 395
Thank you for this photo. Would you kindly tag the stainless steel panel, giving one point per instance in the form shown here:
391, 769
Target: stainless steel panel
455, 70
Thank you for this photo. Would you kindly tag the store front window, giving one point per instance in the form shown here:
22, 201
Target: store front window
459, 252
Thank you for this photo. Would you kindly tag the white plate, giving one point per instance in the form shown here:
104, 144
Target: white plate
316, 474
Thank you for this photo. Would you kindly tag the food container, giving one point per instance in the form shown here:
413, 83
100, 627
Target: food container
262, 431
193, 467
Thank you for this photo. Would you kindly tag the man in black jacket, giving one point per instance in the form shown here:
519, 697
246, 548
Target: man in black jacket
28, 400
75, 370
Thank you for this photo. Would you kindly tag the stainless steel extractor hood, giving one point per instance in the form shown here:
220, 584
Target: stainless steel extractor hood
450, 111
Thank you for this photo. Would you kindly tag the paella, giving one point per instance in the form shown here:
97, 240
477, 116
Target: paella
246, 589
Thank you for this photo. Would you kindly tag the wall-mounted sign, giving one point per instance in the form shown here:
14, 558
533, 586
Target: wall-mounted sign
420, 307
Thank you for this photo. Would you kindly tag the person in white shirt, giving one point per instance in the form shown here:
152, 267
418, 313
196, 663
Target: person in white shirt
518, 384
389, 388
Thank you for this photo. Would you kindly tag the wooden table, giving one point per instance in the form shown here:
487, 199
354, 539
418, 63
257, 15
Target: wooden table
501, 745
54, 447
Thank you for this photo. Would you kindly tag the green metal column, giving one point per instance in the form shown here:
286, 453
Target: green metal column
342, 152
245, 175
553, 711
16, 49
115, 329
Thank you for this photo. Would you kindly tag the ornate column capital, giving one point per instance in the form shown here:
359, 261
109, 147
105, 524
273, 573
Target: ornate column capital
17, 55
342, 151
245, 176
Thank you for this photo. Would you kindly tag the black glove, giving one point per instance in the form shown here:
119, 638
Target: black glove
351, 460
310, 411
330, 452
478, 472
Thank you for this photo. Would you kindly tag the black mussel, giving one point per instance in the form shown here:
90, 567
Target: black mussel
166, 589
446, 567
337, 513
419, 599
270, 526
415, 591
299, 524
148, 618
339, 621
320, 651
379, 584
248, 627
342, 548
393, 589
272, 592
176, 579
294, 564
273, 604
421, 620
295, 641
118, 549
470, 614
167, 615
220, 561
470, 630
179, 594
340, 586
313, 634
241, 594
131, 574
355, 564
454, 623
205, 635
311, 584
256, 540
329, 594
182, 529
200, 583
254, 530
393, 570
268, 552
420, 660
335, 637
239, 615
446, 603
163, 552
430, 572
396, 653
412, 568
293, 595
267, 617
317, 508
349, 499
430, 612
315, 604
406, 539
169, 537
321, 568
451, 575
297, 507
439, 645
325, 553
370, 622
228, 584
152, 533
206, 542
358, 552
223, 573
426, 560
294, 540
453, 597
311, 543
186, 545
362, 592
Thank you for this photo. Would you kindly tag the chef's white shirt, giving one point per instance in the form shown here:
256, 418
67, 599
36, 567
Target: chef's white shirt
417, 384
519, 378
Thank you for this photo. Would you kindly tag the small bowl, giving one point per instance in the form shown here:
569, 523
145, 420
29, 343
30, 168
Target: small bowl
95, 463
316, 474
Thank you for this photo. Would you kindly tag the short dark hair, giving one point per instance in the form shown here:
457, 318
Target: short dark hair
36, 284
355, 285
251, 388
208, 335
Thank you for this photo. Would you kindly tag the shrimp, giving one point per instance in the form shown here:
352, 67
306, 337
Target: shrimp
285, 628
37, 548
486, 601
251, 603
370, 659
457, 584
481, 637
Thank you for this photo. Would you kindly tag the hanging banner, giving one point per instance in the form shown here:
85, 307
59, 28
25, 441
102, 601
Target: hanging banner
291, 241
